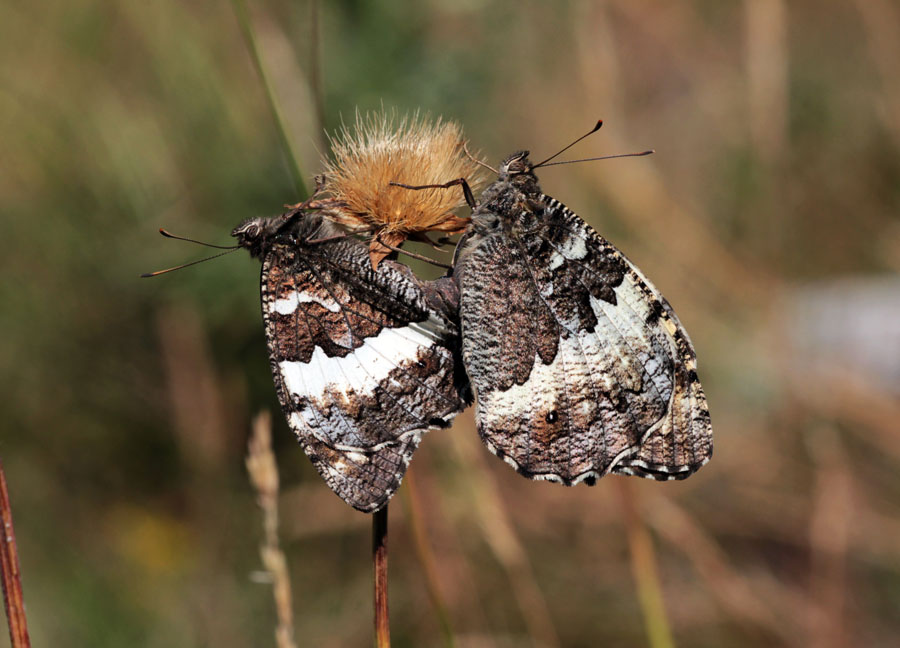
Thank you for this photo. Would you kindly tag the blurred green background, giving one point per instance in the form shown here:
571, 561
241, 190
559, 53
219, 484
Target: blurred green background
768, 217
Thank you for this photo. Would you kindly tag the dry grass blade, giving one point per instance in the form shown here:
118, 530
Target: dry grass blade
264, 476
829, 538
646, 574
10, 575
197, 402
426, 557
766, 60
882, 24
503, 540
757, 605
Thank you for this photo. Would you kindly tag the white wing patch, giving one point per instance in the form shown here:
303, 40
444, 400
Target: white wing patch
621, 350
628, 318
359, 372
574, 248
499, 408
287, 305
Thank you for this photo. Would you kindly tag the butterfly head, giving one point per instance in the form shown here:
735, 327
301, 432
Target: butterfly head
293, 228
517, 169
256, 234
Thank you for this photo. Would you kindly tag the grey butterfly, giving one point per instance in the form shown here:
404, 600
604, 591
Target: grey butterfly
579, 366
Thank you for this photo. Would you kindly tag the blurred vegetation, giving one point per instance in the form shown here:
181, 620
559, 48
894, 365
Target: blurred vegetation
128, 402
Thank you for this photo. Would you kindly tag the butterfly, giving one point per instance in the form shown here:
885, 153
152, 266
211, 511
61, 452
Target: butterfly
364, 361
579, 367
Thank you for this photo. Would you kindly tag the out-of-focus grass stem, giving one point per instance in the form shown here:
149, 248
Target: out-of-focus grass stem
315, 71
503, 539
646, 574
413, 509
243, 16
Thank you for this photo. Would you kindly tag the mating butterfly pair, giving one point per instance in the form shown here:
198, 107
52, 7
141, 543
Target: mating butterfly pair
578, 366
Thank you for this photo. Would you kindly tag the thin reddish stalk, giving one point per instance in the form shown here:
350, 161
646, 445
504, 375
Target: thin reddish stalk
380, 561
10, 575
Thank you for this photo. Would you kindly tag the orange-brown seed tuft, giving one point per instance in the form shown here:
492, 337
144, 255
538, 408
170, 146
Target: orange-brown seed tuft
382, 148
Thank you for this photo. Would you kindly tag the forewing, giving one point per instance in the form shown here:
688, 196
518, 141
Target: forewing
579, 366
363, 362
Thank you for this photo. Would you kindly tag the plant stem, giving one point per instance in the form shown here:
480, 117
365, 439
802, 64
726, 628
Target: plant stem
380, 561
646, 575
10, 575
243, 17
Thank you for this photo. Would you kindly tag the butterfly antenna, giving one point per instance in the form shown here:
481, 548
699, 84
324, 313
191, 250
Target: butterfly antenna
560, 152
476, 160
603, 157
190, 240
187, 265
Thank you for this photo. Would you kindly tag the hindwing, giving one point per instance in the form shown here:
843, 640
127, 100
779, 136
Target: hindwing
579, 366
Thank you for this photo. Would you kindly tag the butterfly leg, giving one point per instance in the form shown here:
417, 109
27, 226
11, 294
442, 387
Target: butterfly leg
467, 191
414, 255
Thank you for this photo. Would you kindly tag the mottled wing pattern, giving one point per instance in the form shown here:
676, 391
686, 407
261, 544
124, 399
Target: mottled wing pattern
579, 366
363, 361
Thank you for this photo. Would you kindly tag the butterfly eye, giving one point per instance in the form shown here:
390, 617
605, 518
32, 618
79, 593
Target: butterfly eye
248, 231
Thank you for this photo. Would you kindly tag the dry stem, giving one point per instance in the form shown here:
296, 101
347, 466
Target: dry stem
503, 539
10, 575
413, 509
646, 574
264, 476
380, 562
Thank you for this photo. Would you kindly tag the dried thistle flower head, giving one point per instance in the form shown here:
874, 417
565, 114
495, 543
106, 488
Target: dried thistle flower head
414, 151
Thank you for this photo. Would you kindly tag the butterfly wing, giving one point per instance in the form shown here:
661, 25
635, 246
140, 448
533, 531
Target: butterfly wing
363, 361
579, 366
